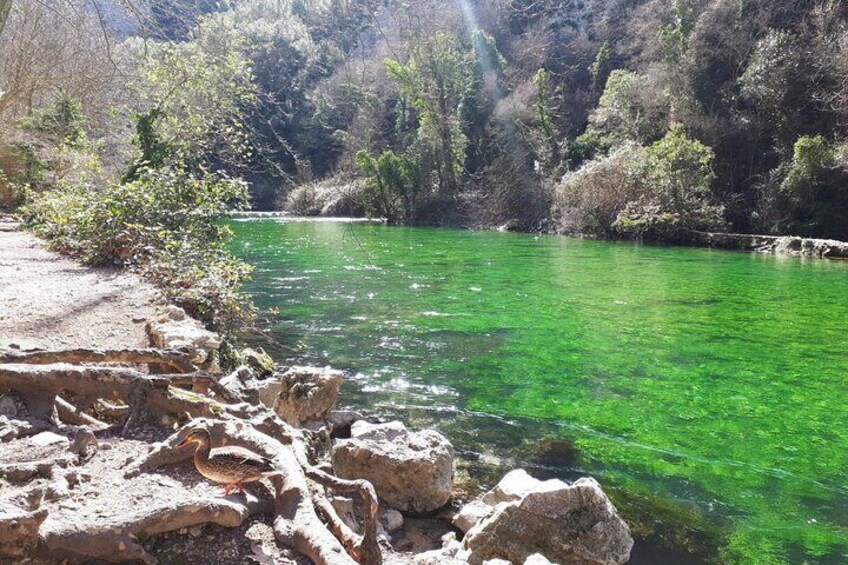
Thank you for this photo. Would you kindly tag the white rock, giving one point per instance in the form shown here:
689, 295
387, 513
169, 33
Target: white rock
471, 514
170, 333
537, 559
344, 508
301, 394
571, 524
47, 438
513, 486
391, 520
411, 471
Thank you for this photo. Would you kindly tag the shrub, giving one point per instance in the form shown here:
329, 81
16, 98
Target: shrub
807, 195
166, 224
655, 192
393, 186
588, 200
810, 156
336, 196
633, 107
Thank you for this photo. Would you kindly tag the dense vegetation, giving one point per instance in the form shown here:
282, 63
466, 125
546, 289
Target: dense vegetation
642, 118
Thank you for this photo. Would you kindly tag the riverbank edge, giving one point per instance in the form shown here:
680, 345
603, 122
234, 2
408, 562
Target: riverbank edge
615, 548
792, 245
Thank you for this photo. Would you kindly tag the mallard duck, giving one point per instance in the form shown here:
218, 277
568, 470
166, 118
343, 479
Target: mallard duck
230, 465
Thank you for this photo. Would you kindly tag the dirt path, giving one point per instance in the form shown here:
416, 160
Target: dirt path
49, 301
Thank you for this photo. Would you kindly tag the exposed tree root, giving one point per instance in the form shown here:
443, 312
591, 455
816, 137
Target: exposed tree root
19, 530
300, 488
116, 540
69, 414
179, 360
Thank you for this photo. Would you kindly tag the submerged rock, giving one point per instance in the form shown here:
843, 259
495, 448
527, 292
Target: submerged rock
569, 524
411, 471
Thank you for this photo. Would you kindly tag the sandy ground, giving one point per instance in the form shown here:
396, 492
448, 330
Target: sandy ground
49, 301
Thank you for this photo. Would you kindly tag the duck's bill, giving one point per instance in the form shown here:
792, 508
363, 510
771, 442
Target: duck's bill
183, 442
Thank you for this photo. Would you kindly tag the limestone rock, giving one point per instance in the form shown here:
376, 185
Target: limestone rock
391, 520
411, 471
340, 422
297, 395
258, 360
515, 485
176, 331
301, 394
48, 438
571, 524
345, 509
471, 514
537, 559
444, 556
84, 444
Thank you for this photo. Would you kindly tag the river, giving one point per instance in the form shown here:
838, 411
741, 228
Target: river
706, 390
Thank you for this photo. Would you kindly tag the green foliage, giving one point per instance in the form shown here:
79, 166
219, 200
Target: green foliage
773, 84
655, 192
679, 169
551, 156
394, 185
674, 36
164, 223
811, 155
808, 196
771, 69
632, 108
435, 81
598, 66
154, 152
677, 172
200, 91
63, 121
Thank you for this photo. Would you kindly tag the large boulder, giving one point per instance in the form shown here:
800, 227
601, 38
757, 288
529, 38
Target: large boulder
411, 471
569, 524
302, 394
297, 395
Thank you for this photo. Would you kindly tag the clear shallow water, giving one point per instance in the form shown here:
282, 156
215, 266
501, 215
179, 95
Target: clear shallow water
706, 390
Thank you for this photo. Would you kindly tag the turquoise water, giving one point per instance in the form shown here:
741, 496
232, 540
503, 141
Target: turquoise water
706, 390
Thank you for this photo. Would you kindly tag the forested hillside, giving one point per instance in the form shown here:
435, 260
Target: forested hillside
611, 118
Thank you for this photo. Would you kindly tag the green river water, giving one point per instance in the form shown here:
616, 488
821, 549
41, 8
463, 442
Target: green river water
707, 391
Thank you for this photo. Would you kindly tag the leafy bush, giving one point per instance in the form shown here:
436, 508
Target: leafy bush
807, 195
811, 155
655, 192
393, 186
588, 200
336, 196
165, 224
633, 107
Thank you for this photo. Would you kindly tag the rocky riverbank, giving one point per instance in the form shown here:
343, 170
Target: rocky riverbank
89, 468
774, 244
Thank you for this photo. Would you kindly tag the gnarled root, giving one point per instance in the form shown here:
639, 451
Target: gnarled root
300, 488
116, 540
180, 360
296, 523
